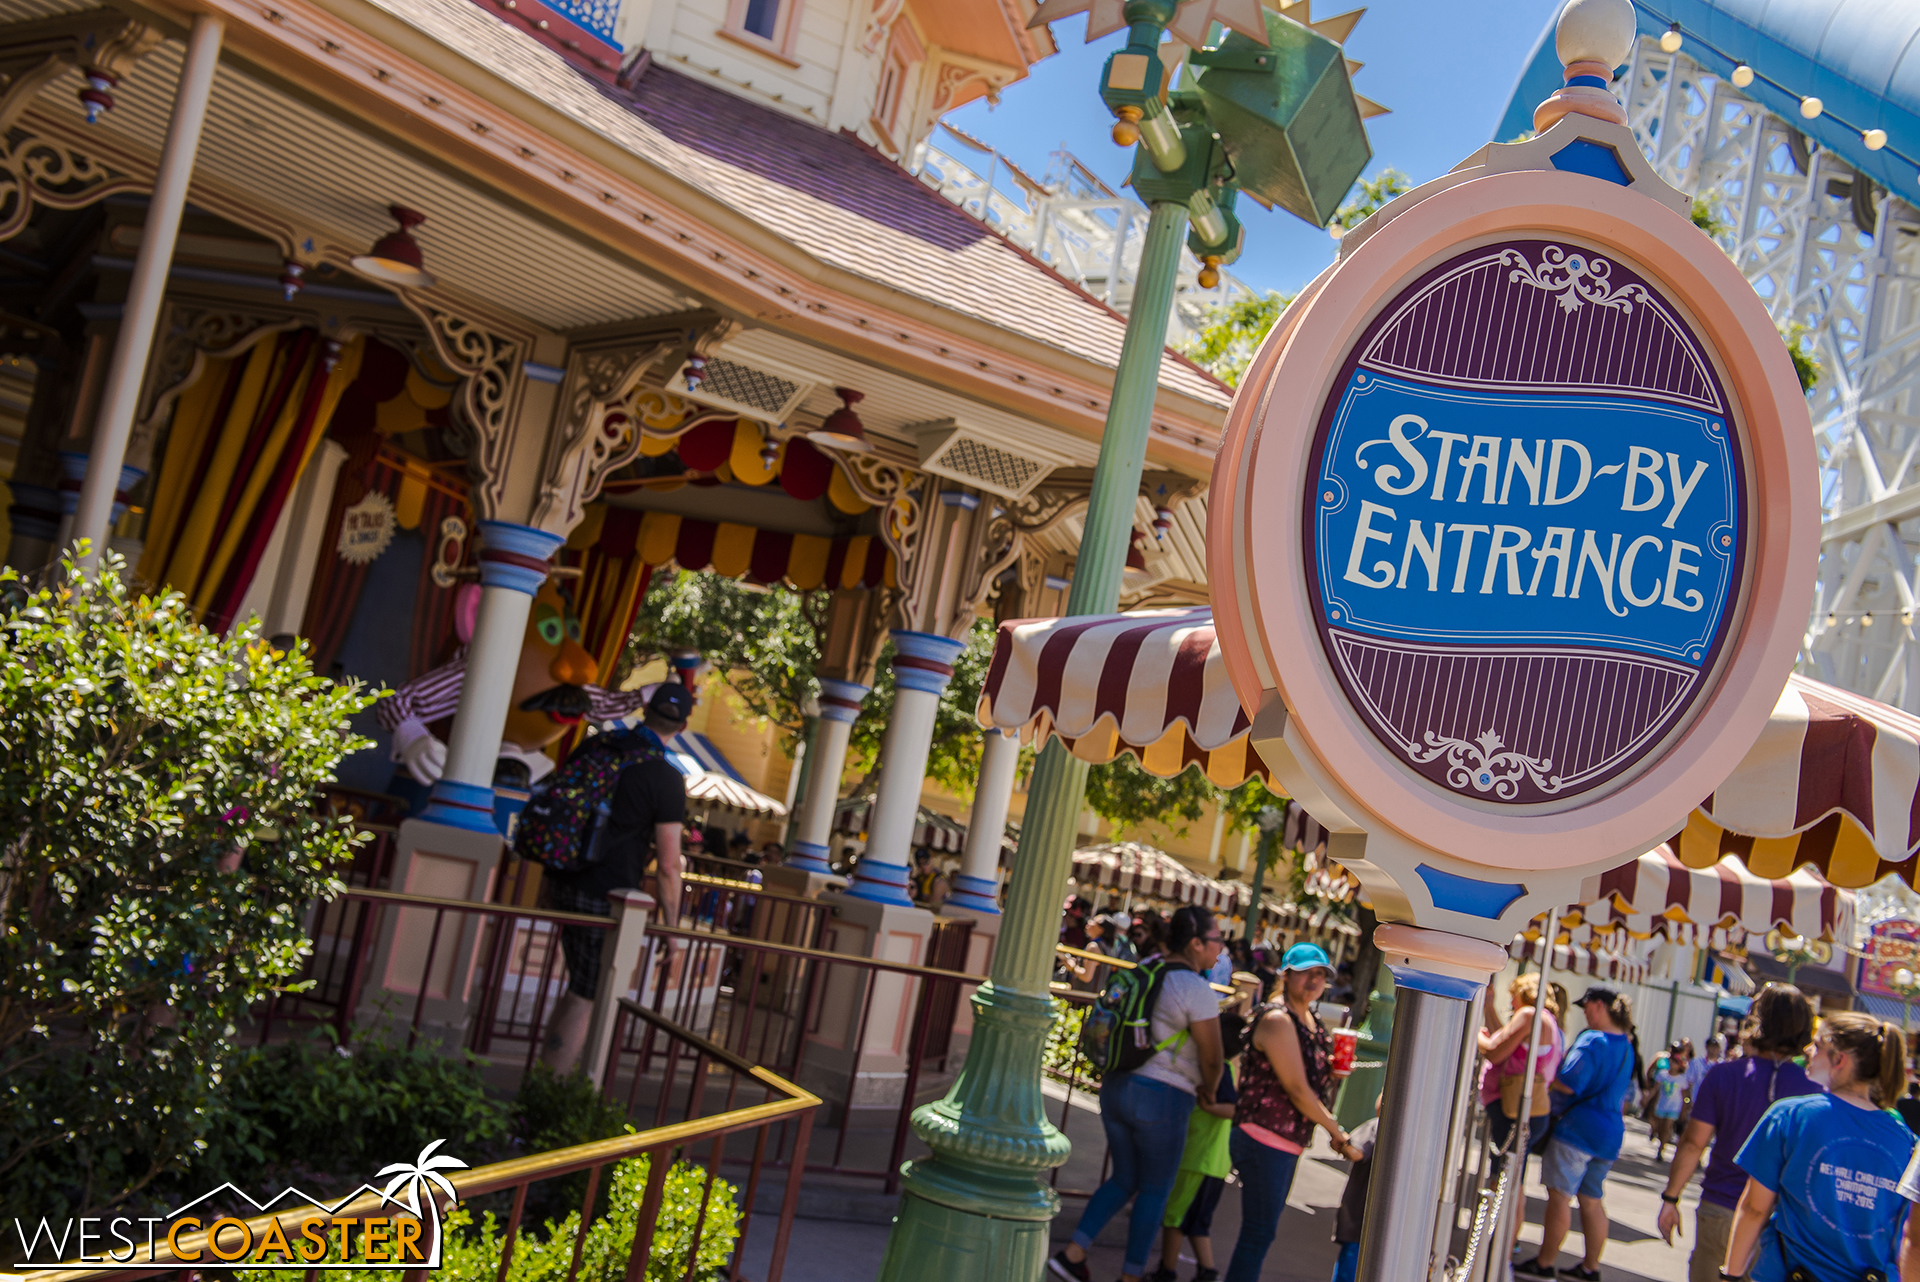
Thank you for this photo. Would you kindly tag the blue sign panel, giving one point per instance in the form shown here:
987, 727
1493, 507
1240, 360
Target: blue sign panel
1527, 533
1449, 514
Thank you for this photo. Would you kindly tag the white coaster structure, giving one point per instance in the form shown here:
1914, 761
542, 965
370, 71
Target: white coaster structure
1837, 259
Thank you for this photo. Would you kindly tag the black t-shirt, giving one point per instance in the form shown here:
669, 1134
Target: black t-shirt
646, 793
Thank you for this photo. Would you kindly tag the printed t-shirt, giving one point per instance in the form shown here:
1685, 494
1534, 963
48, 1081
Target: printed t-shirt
1552, 1043
1599, 1071
1207, 1135
1185, 999
1837, 1169
1672, 1086
1730, 1100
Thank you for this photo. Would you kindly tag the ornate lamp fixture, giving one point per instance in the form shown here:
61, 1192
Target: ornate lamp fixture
842, 429
395, 258
96, 97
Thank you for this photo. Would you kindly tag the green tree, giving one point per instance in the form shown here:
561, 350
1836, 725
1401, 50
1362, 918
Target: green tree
1235, 330
1799, 341
766, 641
161, 844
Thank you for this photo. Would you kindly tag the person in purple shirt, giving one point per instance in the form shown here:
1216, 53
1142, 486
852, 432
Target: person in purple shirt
1726, 1108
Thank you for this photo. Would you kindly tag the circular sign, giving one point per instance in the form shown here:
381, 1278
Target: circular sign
1516, 520
1527, 522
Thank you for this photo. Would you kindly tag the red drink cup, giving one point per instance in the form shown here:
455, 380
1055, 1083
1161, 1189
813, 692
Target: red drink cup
1345, 1042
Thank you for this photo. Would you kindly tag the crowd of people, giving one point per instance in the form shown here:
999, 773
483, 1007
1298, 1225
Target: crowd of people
1806, 1126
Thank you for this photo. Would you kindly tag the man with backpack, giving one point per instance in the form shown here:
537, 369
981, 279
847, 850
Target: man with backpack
593, 825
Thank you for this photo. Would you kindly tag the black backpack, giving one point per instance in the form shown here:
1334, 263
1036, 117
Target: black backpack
564, 823
1115, 1036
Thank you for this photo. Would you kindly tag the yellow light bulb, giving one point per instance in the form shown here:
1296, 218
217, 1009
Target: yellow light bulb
1875, 139
1742, 76
1670, 40
1810, 108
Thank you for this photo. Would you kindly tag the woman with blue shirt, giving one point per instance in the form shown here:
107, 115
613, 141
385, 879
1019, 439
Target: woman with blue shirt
1598, 1076
1824, 1195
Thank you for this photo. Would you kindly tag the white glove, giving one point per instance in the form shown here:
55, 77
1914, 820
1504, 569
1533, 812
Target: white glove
415, 747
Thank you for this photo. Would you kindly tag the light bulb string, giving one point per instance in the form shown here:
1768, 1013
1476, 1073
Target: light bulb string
1825, 114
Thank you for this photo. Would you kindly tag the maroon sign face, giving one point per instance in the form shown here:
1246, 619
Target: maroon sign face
1526, 529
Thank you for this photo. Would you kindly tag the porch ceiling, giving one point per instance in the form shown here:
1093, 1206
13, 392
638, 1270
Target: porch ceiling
333, 183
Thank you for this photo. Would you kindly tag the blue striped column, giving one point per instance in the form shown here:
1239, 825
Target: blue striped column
839, 709
513, 565
922, 666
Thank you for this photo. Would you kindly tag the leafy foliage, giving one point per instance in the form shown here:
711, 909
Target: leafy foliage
1706, 215
1799, 341
767, 642
1369, 195
316, 1107
472, 1251
160, 843
954, 760
554, 1111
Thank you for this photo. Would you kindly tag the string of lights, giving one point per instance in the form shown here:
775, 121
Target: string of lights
1811, 108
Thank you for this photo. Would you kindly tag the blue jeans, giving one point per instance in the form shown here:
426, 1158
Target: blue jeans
1347, 1267
1266, 1177
1146, 1126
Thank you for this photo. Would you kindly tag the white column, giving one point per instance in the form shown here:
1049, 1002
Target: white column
839, 709
978, 885
513, 565
922, 666
150, 266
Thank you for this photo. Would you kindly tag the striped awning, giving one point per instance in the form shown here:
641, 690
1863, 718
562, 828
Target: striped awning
1659, 894
710, 777
931, 829
1151, 682
1600, 963
807, 561
1145, 870
1834, 781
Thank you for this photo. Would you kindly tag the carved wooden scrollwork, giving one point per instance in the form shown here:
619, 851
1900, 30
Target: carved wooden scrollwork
37, 170
492, 365
594, 435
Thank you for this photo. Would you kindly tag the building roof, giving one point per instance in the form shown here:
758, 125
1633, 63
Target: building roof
1861, 58
828, 194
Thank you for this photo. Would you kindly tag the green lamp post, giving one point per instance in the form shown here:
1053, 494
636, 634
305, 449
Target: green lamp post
1276, 118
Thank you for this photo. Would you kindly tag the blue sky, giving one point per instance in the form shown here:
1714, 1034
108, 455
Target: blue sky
1445, 67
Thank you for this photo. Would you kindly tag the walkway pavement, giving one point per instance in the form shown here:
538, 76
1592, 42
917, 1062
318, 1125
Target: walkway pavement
845, 1251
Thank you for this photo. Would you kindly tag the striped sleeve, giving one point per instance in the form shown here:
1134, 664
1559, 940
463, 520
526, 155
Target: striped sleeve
428, 697
609, 705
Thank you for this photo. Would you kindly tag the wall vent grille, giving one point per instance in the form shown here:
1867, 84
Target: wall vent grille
947, 449
745, 389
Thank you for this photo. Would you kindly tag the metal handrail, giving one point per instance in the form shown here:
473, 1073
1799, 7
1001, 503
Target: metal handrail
817, 954
752, 888
473, 906
498, 1176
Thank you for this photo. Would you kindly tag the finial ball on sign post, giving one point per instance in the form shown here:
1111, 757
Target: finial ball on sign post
1595, 31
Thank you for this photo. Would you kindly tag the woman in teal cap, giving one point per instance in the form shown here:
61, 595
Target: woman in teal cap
1286, 1080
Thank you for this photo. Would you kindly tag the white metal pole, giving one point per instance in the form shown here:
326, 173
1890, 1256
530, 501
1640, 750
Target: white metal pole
141, 313
978, 885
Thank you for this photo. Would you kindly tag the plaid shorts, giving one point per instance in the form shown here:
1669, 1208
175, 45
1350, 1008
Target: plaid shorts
581, 944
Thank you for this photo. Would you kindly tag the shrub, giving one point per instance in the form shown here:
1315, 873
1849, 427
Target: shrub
158, 845
472, 1252
554, 1111
315, 1107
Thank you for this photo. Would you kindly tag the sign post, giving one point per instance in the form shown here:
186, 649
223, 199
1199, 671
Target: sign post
1513, 534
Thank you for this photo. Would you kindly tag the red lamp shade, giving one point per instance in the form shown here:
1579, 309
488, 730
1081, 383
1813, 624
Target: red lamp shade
1135, 575
842, 429
395, 258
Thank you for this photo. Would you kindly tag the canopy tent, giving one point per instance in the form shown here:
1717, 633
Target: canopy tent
1601, 963
1834, 780
1141, 869
1657, 894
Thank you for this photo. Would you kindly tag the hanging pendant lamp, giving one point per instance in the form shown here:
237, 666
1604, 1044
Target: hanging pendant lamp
395, 258
842, 430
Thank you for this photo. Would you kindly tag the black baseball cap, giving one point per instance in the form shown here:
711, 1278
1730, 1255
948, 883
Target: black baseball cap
1595, 993
671, 701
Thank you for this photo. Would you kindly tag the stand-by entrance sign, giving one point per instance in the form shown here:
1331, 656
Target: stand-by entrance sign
1515, 531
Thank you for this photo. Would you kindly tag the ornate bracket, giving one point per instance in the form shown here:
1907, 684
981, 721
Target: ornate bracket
593, 436
492, 364
34, 54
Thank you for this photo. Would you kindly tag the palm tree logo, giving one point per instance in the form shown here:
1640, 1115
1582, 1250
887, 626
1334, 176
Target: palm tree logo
421, 1172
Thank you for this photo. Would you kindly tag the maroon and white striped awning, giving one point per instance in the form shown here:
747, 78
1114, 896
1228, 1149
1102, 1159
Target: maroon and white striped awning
1151, 682
1658, 894
1601, 963
1145, 870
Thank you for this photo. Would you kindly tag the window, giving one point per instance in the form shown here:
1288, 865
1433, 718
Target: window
904, 53
770, 26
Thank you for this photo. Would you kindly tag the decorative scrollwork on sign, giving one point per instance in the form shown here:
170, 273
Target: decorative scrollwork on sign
37, 170
492, 364
1578, 278
595, 437
1480, 764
